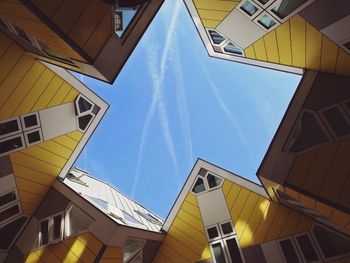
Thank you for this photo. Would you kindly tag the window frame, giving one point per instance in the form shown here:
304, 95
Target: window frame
12, 202
282, 20
24, 128
229, 53
206, 184
294, 246
342, 45
329, 126
211, 40
258, 12
13, 150
318, 246
223, 247
28, 144
50, 220
11, 218
313, 243
264, 12
264, 6
229, 234
19, 124
239, 248
322, 126
217, 229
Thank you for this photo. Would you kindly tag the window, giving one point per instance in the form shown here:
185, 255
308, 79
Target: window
307, 248
289, 252
216, 38
30, 121
123, 16
51, 230
233, 249
205, 182
337, 121
9, 127
331, 243
11, 144
266, 21
307, 134
8, 198
218, 252
249, 8
131, 247
213, 232
9, 213
85, 110
76, 221
9, 232
33, 137
284, 8
149, 217
54, 54
233, 49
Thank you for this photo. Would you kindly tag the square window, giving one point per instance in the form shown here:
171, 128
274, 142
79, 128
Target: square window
226, 228
30, 121
33, 137
9, 127
212, 232
249, 8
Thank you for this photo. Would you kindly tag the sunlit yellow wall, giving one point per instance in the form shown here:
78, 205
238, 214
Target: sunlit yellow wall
212, 12
83, 248
324, 172
112, 255
186, 240
21, 16
257, 220
297, 43
26, 85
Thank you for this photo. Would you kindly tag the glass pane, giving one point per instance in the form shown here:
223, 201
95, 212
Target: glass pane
57, 227
232, 48
77, 221
212, 232
84, 121
289, 252
218, 253
9, 212
33, 137
9, 232
266, 21
249, 8
30, 121
263, 1
199, 186
122, 18
130, 218
84, 105
307, 248
44, 232
213, 181
202, 172
8, 127
216, 38
331, 243
10, 144
7, 198
234, 250
337, 121
131, 247
284, 7
307, 134
226, 228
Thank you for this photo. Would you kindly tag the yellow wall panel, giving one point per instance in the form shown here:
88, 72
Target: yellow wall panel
47, 256
75, 135
323, 209
33, 95
16, 9
260, 50
278, 223
33, 258
79, 250
232, 195
45, 156
32, 175
249, 52
30, 186
60, 95
226, 187
21, 90
270, 41
212, 14
113, 253
304, 224
343, 63
64, 141
313, 47
28, 209
160, 258
47, 7
56, 148
340, 218
284, 43
290, 223
71, 96
91, 242
300, 168
216, 5
239, 203
329, 55
210, 23
297, 31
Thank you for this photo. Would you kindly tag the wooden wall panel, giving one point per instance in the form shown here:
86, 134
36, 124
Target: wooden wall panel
112, 255
186, 240
82, 248
212, 12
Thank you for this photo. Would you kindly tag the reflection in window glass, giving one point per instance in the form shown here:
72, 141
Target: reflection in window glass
249, 8
234, 250
337, 121
131, 247
232, 48
44, 232
122, 18
213, 181
331, 243
284, 7
199, 186
216, 38
212, 232
57, 227
9, 232
288, 251
307, 134
76, 221
266, 21
226, 228
218, 253
307, 248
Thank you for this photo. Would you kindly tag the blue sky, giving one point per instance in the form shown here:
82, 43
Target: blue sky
172, 103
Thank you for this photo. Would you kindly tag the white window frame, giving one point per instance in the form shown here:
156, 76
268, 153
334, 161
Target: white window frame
223, 247
272, 17
33, 143
77, 105
12, 202
260, 9
228, 252
321, 124
329, 126
272, 13
206, 184
89, 123
211, 40
17, 149
32, 127
229, 53
50, 220
294, 246
15, 132
229, 234
312, 244
66, 220
11, 218
217, 229
267, 4
318, 246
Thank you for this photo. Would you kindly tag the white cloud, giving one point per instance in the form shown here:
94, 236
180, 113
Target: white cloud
158, 75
